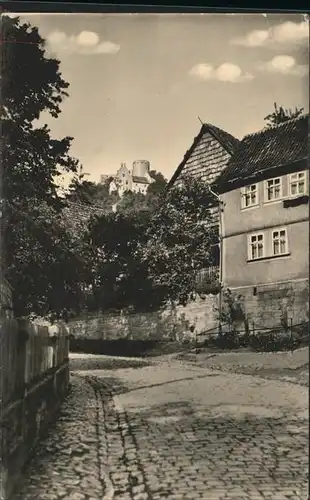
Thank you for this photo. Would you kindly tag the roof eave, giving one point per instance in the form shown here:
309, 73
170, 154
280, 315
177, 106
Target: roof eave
231, 184
219, 139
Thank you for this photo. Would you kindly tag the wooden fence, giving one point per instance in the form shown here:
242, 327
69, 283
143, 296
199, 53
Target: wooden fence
34, 381
27, 352
208, 275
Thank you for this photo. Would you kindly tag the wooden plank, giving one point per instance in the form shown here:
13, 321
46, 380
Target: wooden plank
22, 361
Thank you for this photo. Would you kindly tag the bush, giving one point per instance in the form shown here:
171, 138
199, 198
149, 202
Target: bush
270, 341
275, 341
301, 333
208, 288
263, 342
229, 340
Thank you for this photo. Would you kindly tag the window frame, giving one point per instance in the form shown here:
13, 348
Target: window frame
291, 195
275, 200
278, 230
243, 195
250, 258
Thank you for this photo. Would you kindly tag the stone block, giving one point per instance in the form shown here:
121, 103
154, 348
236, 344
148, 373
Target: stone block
272, 302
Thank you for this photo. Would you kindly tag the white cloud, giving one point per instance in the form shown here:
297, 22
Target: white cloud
226, 72
107, 48
285, 33
255, 38
86, 42
87, 39
284, 64
202, 71
291, 32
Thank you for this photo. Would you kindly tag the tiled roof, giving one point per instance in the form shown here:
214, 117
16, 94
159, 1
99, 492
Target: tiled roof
227, 141
77, 215
141, 180
269, 148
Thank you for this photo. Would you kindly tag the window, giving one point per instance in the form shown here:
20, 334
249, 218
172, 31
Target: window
273, 189
249, 196
256, 247
279, 242
298, 183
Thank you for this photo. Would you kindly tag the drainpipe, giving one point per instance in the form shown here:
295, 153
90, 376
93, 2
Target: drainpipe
221, 227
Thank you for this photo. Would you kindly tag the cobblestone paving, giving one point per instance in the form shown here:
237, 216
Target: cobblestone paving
200, 455
173, 432
67, 464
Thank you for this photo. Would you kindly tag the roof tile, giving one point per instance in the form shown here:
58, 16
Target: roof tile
226, 140
77, 215
269, 148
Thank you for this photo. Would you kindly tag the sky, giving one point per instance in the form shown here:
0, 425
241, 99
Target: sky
139, 82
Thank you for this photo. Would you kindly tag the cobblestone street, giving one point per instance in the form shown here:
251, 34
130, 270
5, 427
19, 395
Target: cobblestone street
173, 430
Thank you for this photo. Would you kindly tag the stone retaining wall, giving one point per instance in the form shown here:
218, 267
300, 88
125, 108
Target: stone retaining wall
266, 306
172, 324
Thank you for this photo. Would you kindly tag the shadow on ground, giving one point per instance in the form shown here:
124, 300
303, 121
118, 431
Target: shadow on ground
227, 446
126, 347
105, 363
182, 448
217, 446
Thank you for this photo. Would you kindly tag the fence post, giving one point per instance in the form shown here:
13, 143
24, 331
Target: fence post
246, 326
291, 333
253, 327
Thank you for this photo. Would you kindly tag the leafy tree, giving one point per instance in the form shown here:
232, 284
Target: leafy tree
132, 203
181, 240
281, 115
120, 276
146, 258
83, 192
91, 193
51, 270
159, 185
41, 264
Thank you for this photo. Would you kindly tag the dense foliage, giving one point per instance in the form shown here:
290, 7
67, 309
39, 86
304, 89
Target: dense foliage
120, 278
36, 252
98, 194
181, 239
147, 258
281, 115
91, 193
159, 185
142, 256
